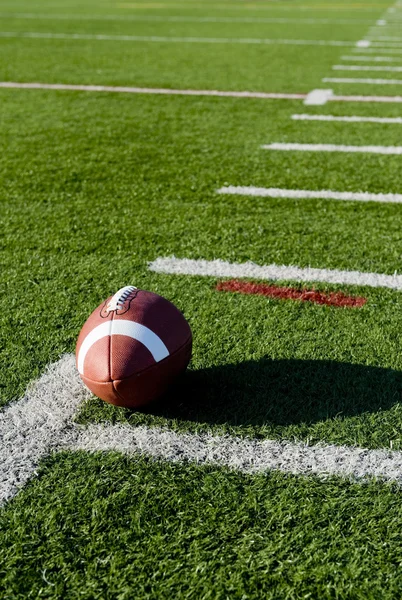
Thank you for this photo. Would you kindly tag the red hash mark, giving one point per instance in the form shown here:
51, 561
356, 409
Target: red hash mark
287, 293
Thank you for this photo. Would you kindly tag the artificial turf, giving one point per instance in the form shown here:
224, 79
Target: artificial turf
87, 205
95, 186
137, 529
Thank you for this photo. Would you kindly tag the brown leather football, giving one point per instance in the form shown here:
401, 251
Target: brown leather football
132, 347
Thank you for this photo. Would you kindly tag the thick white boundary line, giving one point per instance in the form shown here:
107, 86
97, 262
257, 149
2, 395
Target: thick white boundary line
366, 68
168, 39
245, 455
41, 423
172, 92
364, 80
220, 268
179, 19
333, 148
31, 427
309, 194
351, 119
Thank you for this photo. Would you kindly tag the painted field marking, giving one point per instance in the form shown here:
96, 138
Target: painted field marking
286, 147
41, 422
169, 39
309, 195
242, 454
372, 58
387, 38
383, 44
366, 68
173, 92
334, 299
31, 427
379, 50
179, 19
224, 6
390, 30
318, 97
363, 44
351, 119
139, 90
363, 80
249, 270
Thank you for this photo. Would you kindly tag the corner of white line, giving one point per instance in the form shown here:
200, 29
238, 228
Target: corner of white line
318, 97
363, 44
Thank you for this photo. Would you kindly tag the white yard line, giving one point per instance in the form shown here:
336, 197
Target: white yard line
139, 90
372, 58
350, 119
385, 38
286, 147
242, 454
379, 50
309, 194
31, 427
179, 19
250, 270
366, 68
169, 39
383, 44
370, 99
362, 80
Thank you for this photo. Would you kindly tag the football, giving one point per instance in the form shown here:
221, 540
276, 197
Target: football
132, 347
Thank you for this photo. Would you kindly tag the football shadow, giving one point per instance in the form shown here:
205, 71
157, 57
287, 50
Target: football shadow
282, 392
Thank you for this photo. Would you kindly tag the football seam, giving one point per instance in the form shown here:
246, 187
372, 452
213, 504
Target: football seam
143, 370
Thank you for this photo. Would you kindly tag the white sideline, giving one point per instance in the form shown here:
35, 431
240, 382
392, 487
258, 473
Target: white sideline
220, 268
351, 119
242, 454
173, 92
369, 81
169, 39
31, 427
366, 68
333, 148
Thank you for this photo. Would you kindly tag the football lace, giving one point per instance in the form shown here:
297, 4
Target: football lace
118, 300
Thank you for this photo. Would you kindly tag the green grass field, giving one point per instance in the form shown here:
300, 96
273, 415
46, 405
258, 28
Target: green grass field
94, 186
